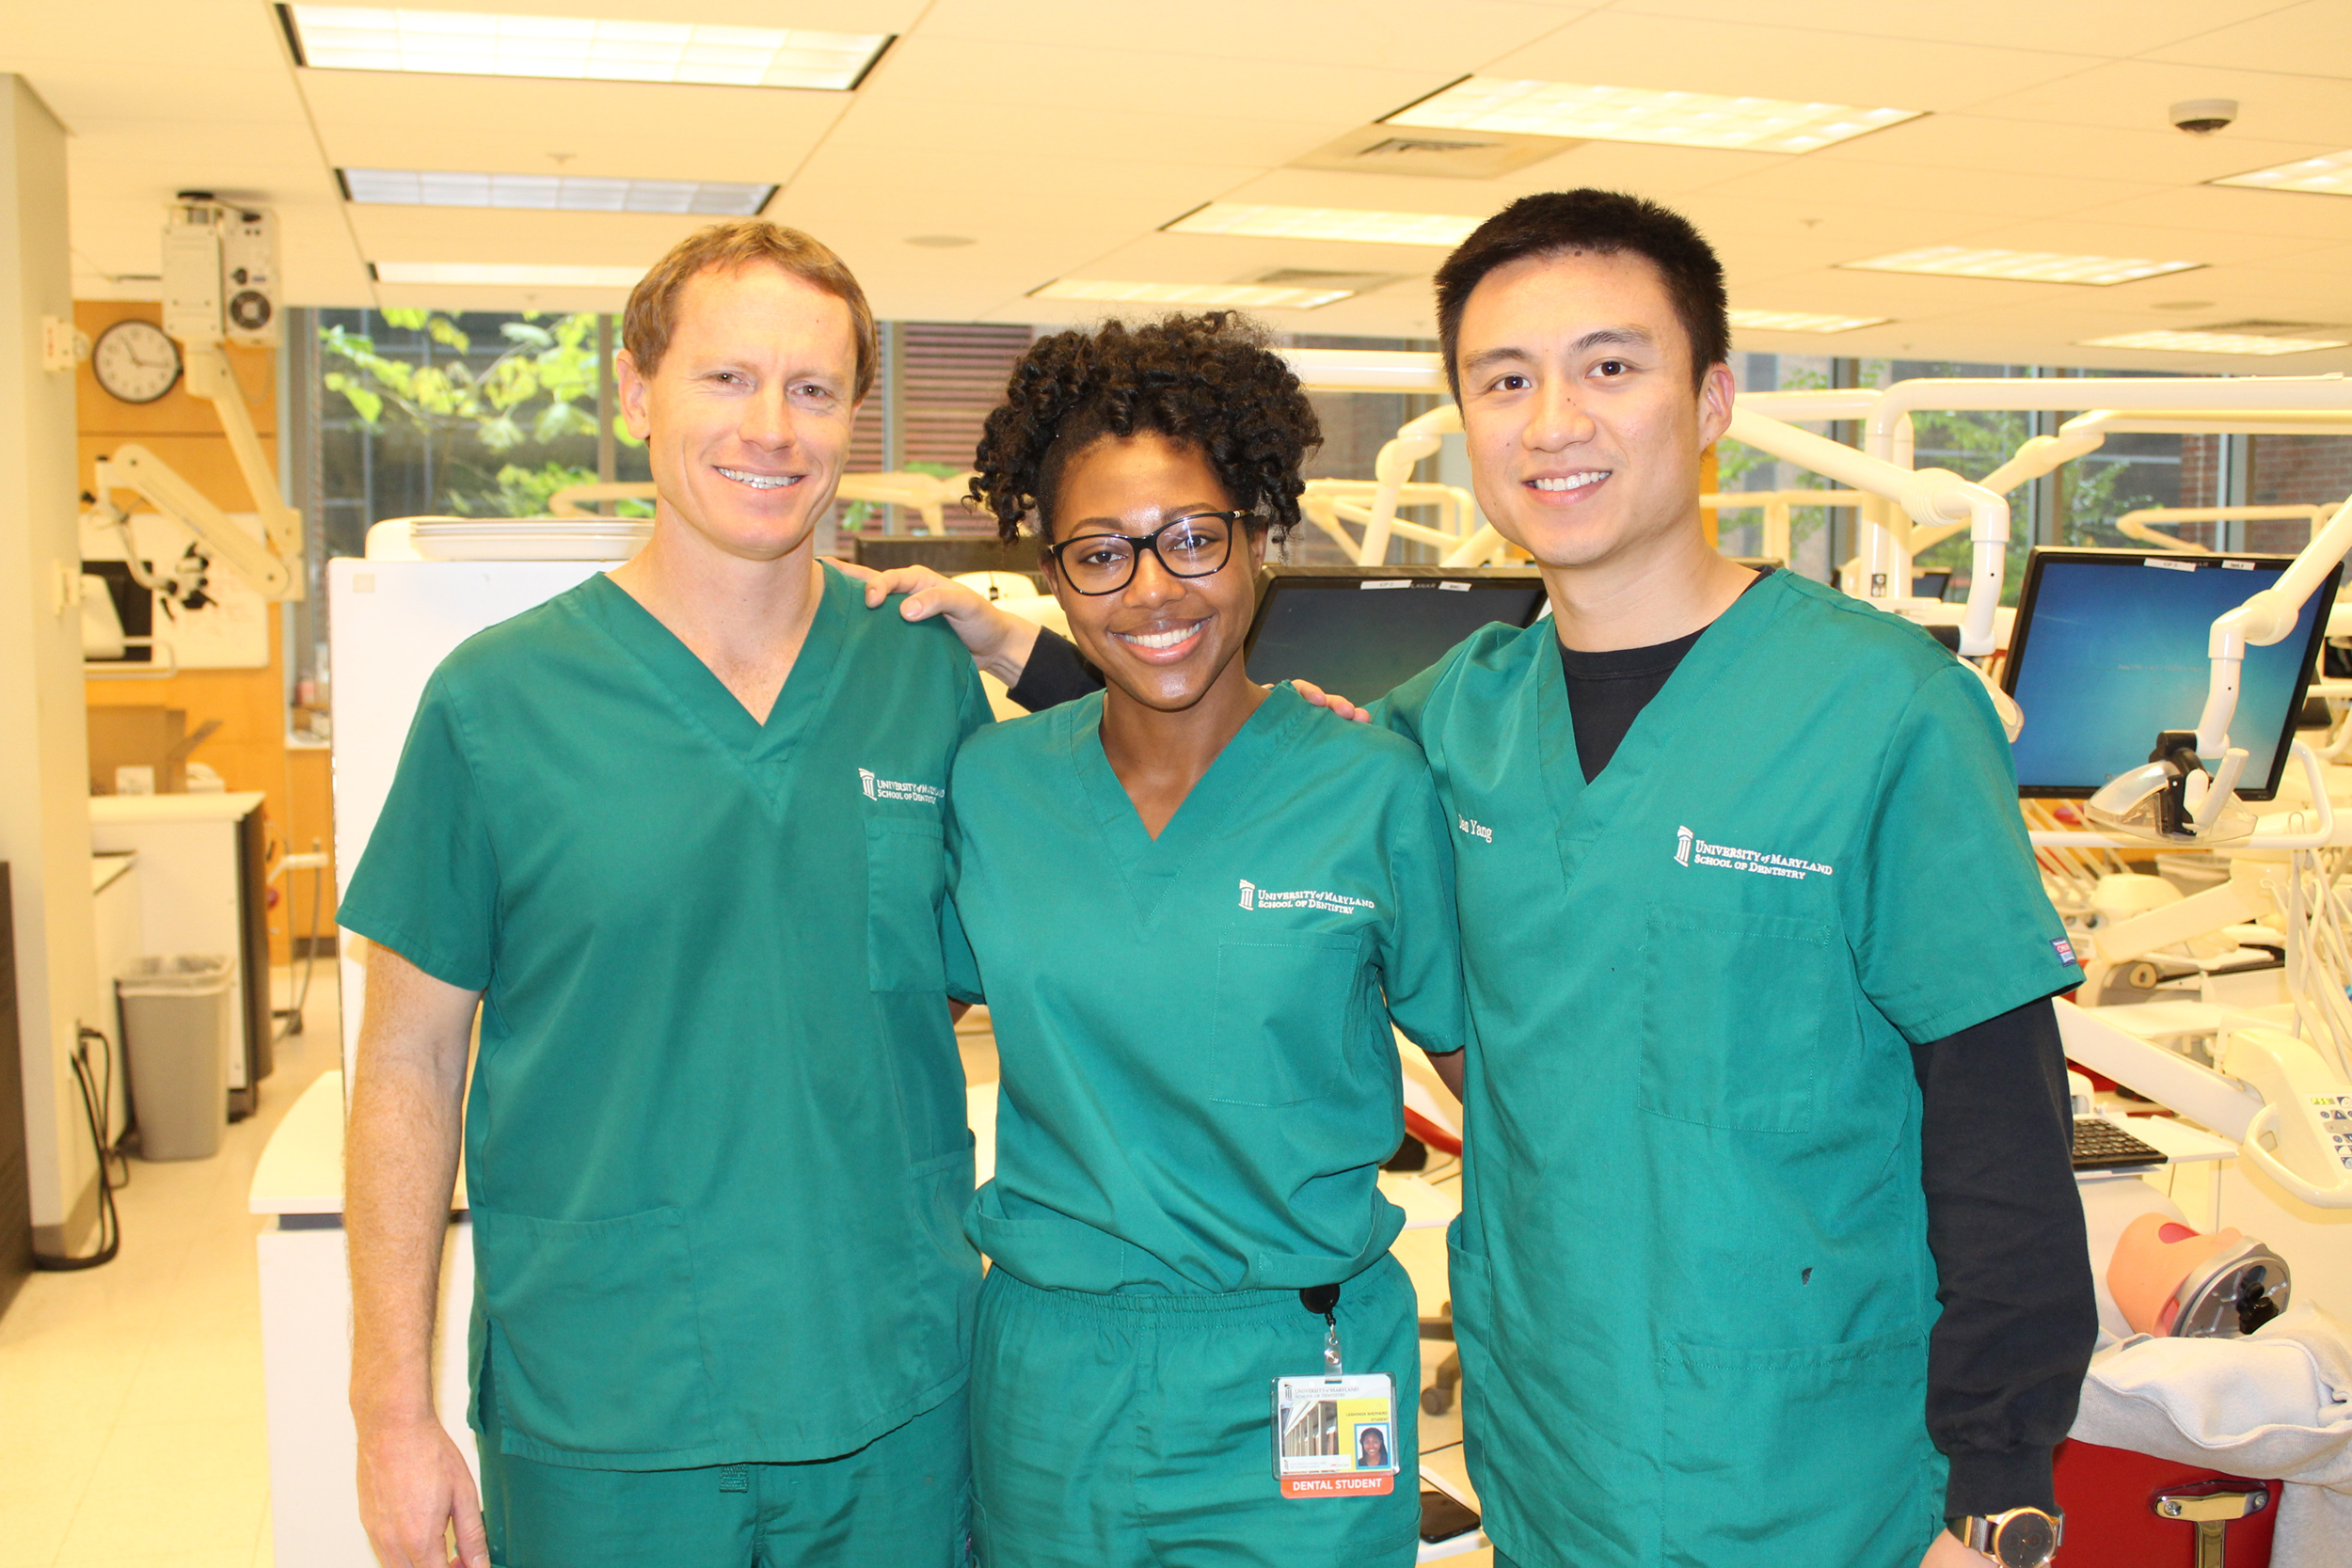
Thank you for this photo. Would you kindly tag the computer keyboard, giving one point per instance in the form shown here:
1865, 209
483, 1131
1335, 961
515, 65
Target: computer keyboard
2101, 1145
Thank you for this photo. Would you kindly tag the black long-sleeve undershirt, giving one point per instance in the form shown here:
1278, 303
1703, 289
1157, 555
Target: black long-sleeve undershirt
2006, 1359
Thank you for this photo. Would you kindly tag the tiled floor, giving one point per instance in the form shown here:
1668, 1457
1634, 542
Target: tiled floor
131, 1428
131, 1422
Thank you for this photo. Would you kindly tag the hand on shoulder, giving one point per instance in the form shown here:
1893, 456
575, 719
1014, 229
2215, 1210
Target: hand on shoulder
1331, 699
998, 641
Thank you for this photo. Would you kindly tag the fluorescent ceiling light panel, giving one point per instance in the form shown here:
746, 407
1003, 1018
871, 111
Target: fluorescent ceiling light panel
2030, 266
485, 44
1800, 321
1243, 296
562, 192
1640, 115
2328, 176
2213, 343
1326, 223
506, 275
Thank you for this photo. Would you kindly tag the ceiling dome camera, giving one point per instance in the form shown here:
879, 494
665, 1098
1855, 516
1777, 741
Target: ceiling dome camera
2203, 117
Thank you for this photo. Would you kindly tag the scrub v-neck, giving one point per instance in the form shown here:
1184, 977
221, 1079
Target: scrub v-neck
1226, 782
697, 693
1585, 810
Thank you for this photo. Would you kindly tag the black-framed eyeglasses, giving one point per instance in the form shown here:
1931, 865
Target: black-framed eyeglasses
1194, 545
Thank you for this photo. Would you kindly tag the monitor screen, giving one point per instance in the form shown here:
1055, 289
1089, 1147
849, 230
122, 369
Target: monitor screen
1363, 630
2109, 648
1930, 585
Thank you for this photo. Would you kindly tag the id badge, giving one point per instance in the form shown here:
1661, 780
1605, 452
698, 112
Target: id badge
1335, 1437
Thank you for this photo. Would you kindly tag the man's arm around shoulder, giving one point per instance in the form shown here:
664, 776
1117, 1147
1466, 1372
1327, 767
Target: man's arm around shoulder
400, 1169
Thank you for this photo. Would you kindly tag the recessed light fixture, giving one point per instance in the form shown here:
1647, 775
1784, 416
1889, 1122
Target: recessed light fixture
2030, 266
1326, 223
567, 192
1245, 296
2328, 176
2212, 343
942, 241
1800, 321
1641, 115
506, 275
595, 49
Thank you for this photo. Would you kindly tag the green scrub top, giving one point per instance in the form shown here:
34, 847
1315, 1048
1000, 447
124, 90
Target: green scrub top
1199, 1084
715, 1145
1691, 1277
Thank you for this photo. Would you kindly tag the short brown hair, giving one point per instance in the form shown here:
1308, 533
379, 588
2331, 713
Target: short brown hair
652, 313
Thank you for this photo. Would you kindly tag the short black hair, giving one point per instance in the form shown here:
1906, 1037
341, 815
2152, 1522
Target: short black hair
1211, 382
1600, 223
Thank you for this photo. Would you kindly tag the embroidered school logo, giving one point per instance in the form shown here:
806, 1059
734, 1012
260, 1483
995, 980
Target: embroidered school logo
1475, 830
2065, 951
1691, 849
1256, 897
894, 789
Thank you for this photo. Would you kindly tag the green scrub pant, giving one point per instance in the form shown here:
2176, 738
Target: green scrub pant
1136, 1431
901, 1501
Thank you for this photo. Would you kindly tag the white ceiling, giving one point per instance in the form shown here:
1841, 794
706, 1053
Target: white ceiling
1060, 135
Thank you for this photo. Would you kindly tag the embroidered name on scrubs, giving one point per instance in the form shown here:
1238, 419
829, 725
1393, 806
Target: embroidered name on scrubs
893, 789
1256, 897
1690, 850
1480, 829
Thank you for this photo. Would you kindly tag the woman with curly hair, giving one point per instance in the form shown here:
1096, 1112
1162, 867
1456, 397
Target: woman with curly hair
1194, 905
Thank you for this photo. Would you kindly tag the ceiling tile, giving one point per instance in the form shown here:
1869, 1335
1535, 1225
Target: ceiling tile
2157, 156
2314, 39
1853, 181
1397, 35
2076, 27
2235, 210
1090, 76
382, 119
1618, 49
2134, 95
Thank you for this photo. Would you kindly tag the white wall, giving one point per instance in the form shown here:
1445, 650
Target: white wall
44, 811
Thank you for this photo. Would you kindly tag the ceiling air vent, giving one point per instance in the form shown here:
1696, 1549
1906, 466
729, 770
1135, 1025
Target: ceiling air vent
1480, 155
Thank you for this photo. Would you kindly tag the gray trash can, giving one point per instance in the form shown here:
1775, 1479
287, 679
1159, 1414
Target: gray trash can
176, 1034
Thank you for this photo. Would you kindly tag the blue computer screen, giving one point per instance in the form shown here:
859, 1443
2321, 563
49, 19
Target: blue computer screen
2113, 651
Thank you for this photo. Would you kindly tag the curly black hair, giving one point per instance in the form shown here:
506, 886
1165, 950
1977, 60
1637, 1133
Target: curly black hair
1209, 382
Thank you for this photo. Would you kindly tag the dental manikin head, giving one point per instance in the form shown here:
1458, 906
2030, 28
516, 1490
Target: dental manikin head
1188, 431
1585, 334
745, 353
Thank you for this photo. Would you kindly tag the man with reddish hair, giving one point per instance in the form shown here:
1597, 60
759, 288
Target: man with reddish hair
678, 832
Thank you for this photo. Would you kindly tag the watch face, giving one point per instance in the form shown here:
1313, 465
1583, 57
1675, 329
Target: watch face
2028, 1538
134, 362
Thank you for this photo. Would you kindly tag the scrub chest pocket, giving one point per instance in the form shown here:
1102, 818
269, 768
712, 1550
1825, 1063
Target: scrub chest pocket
1285, 1001
1745, 1047
906, 877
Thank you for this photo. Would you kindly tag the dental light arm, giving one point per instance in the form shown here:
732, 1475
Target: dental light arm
1414, 440
1926, 496
134, 468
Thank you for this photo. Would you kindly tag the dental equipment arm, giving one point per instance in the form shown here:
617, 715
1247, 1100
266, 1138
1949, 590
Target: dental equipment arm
134, 468
1926, 496
1414, 440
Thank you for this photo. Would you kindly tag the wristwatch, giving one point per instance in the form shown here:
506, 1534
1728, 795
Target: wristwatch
2021, 1538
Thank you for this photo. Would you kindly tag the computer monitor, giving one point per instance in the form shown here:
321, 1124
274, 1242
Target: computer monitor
1930, 585
1363, 630
949, 554
2109, 649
